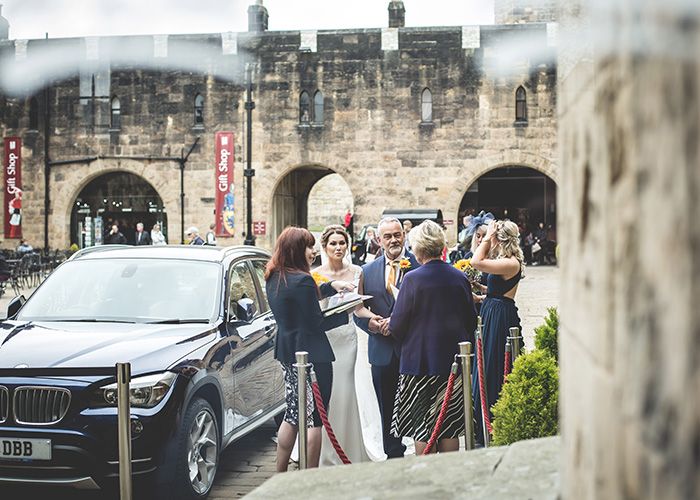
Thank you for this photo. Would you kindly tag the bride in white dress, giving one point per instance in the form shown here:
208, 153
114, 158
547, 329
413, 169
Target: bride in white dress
353, 409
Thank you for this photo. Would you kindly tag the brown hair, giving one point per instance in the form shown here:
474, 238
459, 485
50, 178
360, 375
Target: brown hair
331, 230
290, 253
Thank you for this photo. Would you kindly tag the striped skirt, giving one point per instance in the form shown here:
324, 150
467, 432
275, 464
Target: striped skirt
417, 407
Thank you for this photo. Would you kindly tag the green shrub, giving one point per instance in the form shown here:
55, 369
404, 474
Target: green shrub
546, 336
527, 406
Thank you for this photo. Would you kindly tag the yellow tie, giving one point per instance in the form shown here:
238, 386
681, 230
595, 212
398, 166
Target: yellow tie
392, 277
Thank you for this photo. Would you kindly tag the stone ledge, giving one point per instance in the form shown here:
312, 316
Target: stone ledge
527, 469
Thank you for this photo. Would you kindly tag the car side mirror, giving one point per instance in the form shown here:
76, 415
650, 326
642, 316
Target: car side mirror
246, 310
14, 306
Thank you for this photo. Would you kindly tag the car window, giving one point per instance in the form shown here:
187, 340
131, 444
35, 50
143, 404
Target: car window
259, 266
241, 286
141, 290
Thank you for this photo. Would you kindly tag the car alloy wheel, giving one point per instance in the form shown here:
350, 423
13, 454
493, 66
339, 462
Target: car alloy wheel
202, 449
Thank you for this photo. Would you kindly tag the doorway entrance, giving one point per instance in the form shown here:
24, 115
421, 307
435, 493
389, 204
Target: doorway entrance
116, 197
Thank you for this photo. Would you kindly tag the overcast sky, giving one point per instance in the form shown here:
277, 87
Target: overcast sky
67, 18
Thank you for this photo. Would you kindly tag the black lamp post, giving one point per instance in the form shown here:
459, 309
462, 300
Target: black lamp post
249, 173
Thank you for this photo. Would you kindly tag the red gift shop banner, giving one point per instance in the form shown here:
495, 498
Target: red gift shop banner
13, 183
224, 184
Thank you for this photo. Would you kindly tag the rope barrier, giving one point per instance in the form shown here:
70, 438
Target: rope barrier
443, 409
506, 368
324, 419
482, 388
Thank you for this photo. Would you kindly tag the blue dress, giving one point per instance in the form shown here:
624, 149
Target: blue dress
498, 314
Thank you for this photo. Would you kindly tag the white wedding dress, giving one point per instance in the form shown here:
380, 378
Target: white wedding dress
353, 409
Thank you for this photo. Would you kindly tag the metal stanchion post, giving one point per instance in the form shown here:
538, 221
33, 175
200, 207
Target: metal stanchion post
465, 354
124, 426
301, 365
485, 396
515, 339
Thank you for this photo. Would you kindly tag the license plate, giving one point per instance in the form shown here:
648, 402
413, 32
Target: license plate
25, 449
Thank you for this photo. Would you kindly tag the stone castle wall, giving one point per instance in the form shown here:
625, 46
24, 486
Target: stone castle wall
629, 317
372, 134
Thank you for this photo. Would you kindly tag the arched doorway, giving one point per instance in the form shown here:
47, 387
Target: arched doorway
311, 196
120, 197
519, 193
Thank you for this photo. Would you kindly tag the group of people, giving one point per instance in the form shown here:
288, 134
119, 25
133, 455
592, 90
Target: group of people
141, 237
420, 308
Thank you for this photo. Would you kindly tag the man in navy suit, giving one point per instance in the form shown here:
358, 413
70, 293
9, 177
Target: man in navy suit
384, 351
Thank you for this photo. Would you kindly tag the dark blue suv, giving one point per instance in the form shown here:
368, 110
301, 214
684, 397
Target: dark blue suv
195, 325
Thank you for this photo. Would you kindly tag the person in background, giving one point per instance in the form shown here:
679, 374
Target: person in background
348, 224
157, 236
434, 313
24, 247
499, 255
301, 326
372, 246
407, 226
211, 236
115, 237
193, 236
141, 237
539, 247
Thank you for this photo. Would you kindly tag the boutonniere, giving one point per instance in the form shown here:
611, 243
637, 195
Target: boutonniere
404, 265
319, 278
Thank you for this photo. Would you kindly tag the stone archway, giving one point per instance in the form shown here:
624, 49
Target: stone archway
290, 198
68, 181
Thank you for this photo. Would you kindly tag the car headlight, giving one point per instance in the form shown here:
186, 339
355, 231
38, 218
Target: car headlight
144, 392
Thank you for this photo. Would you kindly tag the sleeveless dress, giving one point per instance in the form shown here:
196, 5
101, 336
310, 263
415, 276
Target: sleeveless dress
353, 410
498, 314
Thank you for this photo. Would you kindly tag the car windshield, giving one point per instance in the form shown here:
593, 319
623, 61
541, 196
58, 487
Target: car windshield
128, 290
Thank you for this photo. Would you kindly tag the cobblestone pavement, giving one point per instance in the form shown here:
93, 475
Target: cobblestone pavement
249, 462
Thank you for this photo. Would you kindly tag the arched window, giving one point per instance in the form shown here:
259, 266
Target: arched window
33, 114
318, 107
426, 106
115, 113
520, 105
198, 110
304, 108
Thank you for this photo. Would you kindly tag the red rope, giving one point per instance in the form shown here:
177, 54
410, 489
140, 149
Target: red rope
506, 368
484, 409
441, 416
327, 424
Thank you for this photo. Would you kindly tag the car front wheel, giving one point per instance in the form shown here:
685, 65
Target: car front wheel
197, 454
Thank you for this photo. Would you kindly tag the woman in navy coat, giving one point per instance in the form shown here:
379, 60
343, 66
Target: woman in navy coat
434, 312
293, 296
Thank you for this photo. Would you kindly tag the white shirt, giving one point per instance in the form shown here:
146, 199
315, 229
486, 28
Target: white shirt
387, 266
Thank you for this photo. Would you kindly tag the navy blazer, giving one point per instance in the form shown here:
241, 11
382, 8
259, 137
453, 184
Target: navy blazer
379, 347
434, 312
301, 325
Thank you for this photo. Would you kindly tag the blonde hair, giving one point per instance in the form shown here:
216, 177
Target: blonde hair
509, 238
428, 239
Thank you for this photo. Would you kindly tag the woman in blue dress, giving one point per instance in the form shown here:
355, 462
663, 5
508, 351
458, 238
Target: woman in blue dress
499, 255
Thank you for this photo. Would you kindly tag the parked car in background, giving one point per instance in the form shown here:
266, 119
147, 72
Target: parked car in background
195, 325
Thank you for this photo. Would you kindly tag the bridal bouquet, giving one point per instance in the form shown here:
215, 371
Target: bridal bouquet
319, 278
474, 275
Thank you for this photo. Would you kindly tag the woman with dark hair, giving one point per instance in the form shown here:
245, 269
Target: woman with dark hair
353, 400
301, 326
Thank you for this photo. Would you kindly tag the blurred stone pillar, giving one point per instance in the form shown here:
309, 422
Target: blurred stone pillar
629, 226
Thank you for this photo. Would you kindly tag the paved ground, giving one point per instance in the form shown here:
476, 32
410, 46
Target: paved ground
250, 461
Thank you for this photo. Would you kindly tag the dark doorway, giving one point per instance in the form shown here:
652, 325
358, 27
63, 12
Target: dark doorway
117, 197
520, 194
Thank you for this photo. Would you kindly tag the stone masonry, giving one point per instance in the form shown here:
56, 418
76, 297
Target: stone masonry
372, 134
